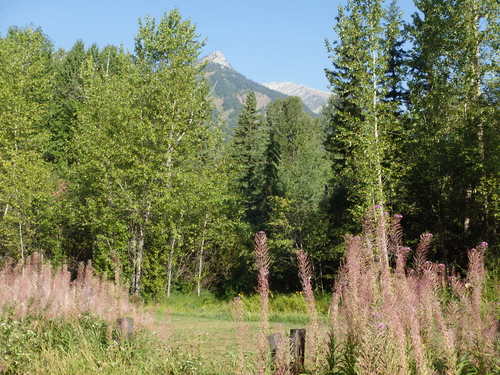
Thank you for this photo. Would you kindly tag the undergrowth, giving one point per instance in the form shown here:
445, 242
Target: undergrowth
37, 345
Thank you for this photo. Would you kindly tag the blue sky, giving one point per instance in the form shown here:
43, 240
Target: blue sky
273, 40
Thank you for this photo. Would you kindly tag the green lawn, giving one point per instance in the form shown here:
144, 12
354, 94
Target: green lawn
204, 328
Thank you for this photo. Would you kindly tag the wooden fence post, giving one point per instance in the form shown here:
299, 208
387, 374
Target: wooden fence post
274, 341
297, 347
125, 327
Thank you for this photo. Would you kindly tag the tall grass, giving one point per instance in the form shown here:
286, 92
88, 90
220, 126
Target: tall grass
395, 312
51, 322
400, 314
306, 275
35, 345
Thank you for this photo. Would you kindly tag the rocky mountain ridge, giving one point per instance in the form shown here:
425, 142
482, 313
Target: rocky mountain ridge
229, 89
313, 98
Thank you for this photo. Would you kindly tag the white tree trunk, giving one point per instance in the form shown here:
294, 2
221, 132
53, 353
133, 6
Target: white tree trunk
136, 246
170, 266
200, 263
21, 241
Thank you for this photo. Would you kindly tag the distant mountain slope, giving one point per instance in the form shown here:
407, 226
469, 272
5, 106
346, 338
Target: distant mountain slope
229, 88
314, 99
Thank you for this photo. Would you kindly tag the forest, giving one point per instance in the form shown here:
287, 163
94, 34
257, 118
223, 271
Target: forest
138, 235
117, 158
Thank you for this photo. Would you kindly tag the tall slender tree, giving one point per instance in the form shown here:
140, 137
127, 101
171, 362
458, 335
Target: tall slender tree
138, 129
248, 146
359, 121
26, 181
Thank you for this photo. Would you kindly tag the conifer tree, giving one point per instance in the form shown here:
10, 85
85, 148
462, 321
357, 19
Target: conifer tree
452, 182
248, 146
298, 171
396, 106
359, 120
67, 95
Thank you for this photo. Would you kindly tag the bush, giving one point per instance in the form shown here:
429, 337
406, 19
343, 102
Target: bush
86, 345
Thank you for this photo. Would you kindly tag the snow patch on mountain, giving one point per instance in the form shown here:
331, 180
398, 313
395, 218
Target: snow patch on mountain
313, 98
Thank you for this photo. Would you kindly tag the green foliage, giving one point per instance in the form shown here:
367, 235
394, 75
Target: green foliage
359, 119
135, 144
341, 358
117, 158
248, 145
68, 94
453, 165
26, 181
296, 177
85, 346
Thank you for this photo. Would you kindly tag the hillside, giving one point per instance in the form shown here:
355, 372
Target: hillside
229, 88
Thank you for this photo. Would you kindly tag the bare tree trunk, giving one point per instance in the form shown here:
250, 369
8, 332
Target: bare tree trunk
379, 201
136, 246
170, 265
200, 263
21, 241
132, 248
140, 255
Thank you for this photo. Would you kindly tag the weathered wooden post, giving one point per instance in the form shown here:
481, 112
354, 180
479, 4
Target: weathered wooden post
125, 327
297, 347
274, 341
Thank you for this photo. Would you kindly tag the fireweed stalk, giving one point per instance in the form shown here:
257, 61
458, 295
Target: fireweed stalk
34, 287
305, 275
397, 318
262, 261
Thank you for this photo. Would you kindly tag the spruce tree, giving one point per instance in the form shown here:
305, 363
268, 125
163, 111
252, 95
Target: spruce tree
297, 171
358, 121
248, 146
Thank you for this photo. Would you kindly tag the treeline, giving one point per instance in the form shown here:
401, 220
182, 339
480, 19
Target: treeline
112, 157
116, 158
413, 123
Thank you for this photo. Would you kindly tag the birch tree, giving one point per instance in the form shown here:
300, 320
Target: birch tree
138, 129
26, 181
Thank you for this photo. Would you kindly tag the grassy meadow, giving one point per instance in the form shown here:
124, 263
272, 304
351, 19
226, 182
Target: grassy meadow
382, 318
205, 325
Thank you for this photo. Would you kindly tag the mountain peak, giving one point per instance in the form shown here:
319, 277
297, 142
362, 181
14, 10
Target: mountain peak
217, 57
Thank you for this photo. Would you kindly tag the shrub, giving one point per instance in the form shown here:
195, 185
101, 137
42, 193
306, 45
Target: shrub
32, 345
